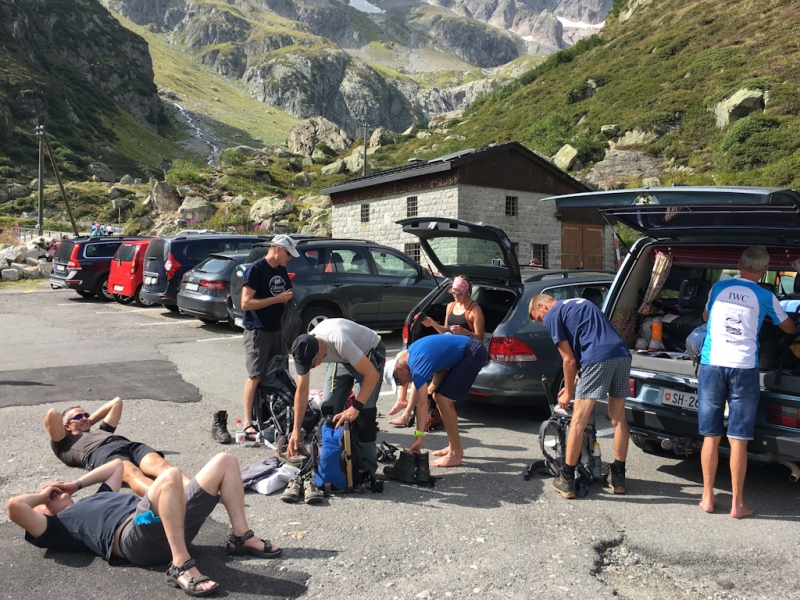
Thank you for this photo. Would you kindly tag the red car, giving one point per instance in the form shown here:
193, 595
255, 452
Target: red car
125, 277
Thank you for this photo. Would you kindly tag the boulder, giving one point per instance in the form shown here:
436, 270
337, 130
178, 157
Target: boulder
45, 268
637, 137
196, 208
145, 223
610, 131
381, 137
31, 273
163, 196
184, 191
308, 161
301, 180
565, 158
268, 208
128, 180
293, 165
335, 168
8, 254
456, 137
316, 217
741, 104
374, 150
32, 262
10, 275
651, 182
240, 201
101, 172
121, 203
281, 153
355, 162
622, 165
424, 135
282, 227
308, 133
119, 192
321, 157
412, 131
247, 150
16, 190
444, 117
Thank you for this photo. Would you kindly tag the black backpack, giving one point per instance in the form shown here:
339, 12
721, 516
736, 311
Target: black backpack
273, 409
329, 460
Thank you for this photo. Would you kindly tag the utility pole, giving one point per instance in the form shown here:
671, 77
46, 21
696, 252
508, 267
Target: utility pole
40, 219
365, 150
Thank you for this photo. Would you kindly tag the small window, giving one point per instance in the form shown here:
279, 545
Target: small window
412, 206
365, 213
393, 266
413, 250
511, 206
313, 258
344, 260
538, 255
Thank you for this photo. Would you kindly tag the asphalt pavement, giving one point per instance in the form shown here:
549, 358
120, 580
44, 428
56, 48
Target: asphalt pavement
483, 531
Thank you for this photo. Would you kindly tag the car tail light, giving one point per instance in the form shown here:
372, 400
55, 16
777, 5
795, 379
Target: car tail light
133, 261
632, 387
405, 333
509, 349
171, 265
214, 285
74, 263
783, 415
292, 276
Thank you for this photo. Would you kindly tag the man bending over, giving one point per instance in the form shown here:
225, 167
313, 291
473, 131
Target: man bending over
152, 530
74, 442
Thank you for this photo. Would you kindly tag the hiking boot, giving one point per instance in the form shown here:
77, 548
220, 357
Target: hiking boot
281, 444
565, 487
219, 428
293, 491
404, 469
616, 479
423, 473
312, 493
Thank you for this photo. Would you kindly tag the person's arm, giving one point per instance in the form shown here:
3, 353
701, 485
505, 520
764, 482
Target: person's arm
371, 377
422, 418
478, 323
428, 322
54, 423
705, 315
787, 325
109, 473
20, 510
110, 412
570, 366
250, 302
436, 380
300, 404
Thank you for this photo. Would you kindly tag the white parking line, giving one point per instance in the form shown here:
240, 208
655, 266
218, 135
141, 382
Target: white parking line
152, 324
227, 337
122, 310
388, 393
69, 304
605, 432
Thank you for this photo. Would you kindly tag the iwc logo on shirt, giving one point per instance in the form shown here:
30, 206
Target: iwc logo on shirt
277, 285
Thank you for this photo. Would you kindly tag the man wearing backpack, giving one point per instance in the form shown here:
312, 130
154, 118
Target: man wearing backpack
355, 355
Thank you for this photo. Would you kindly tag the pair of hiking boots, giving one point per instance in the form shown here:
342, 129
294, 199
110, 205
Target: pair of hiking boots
413, 469
613, 478
305, 487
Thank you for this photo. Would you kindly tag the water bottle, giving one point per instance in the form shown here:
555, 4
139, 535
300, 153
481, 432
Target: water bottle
239, 433
597, 461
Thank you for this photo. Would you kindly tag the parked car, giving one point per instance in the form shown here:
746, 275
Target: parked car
126, 273
371, 284
83, 264
169, 257
704, 230
204, 290
520, 350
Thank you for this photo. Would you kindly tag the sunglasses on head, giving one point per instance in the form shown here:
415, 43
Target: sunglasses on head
80, 417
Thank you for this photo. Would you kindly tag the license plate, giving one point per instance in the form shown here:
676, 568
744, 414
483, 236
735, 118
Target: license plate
192, 287
680, 399
60, 268
118, 288
237, 321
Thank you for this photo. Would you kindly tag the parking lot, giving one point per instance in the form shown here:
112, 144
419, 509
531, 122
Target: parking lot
482, 531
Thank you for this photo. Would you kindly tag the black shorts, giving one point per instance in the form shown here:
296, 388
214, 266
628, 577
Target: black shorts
461, 376
124, 450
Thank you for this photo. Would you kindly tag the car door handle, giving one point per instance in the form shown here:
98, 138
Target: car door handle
337, 284
386, 285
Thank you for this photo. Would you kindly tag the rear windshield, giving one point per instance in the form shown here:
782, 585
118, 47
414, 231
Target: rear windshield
214, 264
457, 251
157, 250
198, 249
65, 250
126, 252
100, 250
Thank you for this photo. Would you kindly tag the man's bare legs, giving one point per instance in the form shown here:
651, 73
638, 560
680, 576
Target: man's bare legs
221, 475
140, 478
616, 414
582, 411
738, 470
167, 501
709, 459
153, 464
250, 387
454, 453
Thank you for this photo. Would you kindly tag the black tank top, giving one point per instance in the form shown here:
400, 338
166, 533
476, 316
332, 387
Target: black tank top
454, 319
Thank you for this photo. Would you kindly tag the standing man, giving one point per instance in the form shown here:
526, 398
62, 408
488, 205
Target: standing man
445, 366
597, 363
265, 291
356, 356
729, 371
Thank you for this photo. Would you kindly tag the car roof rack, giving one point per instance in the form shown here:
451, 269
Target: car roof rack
566, 274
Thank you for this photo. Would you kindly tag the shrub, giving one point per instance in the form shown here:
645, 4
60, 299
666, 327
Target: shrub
232, 158
184, 171
327, 150
549, 134
749, 142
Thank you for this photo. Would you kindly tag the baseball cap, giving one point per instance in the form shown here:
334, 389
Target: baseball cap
304, 349
284, 241
388, 374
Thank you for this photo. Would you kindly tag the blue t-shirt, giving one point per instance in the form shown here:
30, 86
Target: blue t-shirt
736, 308
588, 331
267, 282
88, 525
434, 353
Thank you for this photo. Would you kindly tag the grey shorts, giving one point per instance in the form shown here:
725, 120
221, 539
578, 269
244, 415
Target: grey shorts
143, 540
607, 378
259, 348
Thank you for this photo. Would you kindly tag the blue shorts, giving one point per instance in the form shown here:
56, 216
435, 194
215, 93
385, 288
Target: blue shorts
461, 376
740, 388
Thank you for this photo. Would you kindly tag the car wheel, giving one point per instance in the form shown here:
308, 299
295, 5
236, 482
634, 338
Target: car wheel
314, 316
83, 294
232, 324
648, 445
123, 299
139, 298
171, 307
101, 290
209, 321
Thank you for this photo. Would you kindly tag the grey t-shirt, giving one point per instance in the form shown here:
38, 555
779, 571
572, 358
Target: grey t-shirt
347, 341
75, 450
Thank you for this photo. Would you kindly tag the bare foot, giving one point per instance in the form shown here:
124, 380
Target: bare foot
443, 452
447, 461
401, 421
740, 512
398, 406
707, 504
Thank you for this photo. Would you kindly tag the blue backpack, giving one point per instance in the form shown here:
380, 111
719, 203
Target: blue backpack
329, 460
694, 343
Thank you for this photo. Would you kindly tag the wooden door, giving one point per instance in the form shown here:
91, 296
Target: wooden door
582, 246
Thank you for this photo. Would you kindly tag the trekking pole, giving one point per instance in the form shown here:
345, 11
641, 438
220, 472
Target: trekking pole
348, 456
549, 395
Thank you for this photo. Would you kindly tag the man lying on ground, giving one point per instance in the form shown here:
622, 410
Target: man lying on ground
148, 531
74, 442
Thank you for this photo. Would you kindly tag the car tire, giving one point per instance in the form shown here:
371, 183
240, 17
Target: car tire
648, 445
102, 292
83, 294
123, 299
209, 321
171, 307
140, 299
232, 324
313, 316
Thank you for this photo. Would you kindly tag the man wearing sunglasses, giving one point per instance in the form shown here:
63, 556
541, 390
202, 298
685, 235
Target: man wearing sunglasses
77, 445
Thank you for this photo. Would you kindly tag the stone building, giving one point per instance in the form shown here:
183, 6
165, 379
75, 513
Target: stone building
498, 185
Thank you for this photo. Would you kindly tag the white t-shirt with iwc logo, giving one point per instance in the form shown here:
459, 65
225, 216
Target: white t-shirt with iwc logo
736, 308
